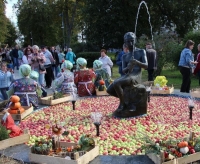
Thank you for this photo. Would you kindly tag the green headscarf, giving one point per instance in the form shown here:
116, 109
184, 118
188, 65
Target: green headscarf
67, 65
97, 64
25, 70
34, 75
81, 61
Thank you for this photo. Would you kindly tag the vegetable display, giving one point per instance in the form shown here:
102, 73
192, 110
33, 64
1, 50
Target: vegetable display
15, 106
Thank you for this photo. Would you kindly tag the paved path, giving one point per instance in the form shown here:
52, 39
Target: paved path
21, 152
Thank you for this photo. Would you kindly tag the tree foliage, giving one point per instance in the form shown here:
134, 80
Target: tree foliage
3, 22
104, 22
42, 20
36, 21
11, 35
194, 36
181, 15
107, 21
71, 14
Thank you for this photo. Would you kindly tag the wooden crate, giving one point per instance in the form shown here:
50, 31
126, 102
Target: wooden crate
15, 141
188, 159
157, 91
195, 93
19, 117
49, 100
101, 93
86, 158
148, 83
158, 159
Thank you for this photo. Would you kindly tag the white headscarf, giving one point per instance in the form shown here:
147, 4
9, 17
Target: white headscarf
67, 65
97, 64
25, 70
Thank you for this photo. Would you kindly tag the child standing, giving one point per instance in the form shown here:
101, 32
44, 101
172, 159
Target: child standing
6, 78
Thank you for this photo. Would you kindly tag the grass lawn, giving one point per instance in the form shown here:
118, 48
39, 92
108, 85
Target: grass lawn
173, 76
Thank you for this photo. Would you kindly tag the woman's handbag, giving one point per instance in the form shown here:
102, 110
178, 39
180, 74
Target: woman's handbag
44, 92
41, 67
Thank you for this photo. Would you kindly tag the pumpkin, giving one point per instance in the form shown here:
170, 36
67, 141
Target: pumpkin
14, 99
14, 106
101, 82
182, 144
16, 111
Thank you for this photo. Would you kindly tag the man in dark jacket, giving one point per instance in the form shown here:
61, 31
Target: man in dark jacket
152, 60
15, 57
119, 58
55, 65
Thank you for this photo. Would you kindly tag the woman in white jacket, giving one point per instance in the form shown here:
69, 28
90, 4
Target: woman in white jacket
27, 55
107, 62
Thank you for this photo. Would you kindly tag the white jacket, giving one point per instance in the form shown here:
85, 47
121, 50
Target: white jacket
107, 63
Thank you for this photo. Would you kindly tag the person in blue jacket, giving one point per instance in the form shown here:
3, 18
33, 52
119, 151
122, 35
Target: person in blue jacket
6, 78
71, 57
119, 58
186, 64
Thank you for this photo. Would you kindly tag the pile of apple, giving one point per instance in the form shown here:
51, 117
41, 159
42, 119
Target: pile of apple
168, 117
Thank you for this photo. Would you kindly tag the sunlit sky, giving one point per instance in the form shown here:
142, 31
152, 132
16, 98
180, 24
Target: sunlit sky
9, 11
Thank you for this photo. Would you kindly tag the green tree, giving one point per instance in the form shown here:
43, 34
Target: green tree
180, 15
72, 22
40, 20
3, 22
36, 21
11, 34
194, 36
107, 21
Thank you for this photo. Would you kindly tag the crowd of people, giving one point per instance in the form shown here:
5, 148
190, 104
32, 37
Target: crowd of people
151, 55
42, 68
187, 63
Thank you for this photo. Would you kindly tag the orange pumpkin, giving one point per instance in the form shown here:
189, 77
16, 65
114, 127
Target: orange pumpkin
101, 82
14, 99
183, 144
14, 106
16, 111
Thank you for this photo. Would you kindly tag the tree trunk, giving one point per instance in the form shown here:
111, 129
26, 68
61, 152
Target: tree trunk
70, 22
160, 63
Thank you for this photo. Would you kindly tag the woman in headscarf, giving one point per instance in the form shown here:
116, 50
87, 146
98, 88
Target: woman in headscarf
65, 80
84, 78
26, 88
101, 74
